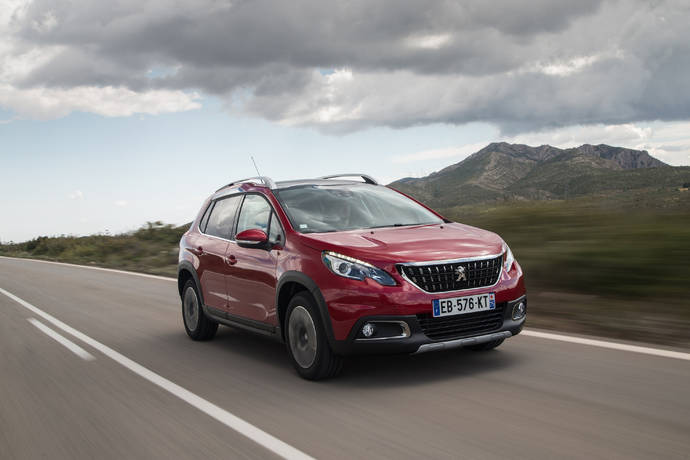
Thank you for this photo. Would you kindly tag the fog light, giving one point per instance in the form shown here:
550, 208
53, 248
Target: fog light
368, 330
519, 310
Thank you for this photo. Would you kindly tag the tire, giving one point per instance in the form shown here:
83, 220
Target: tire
486, 346
196, 323
307, 344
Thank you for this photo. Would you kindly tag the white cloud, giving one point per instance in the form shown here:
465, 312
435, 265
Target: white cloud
669, 142
325, 105
518, 67
44, 23
121, 203
48, 103
19, 60
76, 195
564, 68
348, 100
628, 134
430, 42
456, 153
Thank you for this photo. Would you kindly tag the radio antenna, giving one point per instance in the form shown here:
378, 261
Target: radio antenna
255, 166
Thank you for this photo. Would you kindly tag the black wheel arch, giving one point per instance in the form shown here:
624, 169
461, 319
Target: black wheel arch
185, 271
289, 284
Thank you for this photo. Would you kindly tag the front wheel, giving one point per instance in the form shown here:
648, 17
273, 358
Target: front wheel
196, 323
307, 343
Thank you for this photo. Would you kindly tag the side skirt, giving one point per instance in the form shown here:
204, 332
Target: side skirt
242, 323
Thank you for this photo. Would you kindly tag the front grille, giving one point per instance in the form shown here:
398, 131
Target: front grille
459, 326
444, 277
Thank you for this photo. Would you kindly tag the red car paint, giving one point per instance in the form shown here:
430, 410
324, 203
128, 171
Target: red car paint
242, 282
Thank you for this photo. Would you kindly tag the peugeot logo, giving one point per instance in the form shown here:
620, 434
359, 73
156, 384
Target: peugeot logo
460, 274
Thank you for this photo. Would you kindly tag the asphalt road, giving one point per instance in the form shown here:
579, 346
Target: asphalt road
532, 398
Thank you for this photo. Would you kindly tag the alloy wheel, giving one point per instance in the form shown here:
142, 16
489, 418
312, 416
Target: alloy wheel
191, 309
302, 336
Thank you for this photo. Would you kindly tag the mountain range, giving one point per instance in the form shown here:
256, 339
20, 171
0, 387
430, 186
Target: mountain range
502, 171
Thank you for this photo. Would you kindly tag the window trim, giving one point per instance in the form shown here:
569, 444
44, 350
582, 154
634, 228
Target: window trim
273, 212
212, 205
274, 215
205, 216
236, 218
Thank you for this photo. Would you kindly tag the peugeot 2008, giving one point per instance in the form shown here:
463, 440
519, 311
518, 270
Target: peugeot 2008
336, 267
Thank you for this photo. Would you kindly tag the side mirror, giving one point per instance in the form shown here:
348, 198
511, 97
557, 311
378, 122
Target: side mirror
252, 238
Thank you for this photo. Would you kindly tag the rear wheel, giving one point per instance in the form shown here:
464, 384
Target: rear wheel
306, 341
486, 346
196, 323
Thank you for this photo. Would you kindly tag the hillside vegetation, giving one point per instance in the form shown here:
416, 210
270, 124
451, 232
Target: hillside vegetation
595, 266
152, 248
510, 172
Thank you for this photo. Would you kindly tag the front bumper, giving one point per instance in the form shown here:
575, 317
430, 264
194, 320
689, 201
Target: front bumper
418, 341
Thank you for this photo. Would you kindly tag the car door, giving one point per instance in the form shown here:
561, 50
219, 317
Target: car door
212, 251
252, 277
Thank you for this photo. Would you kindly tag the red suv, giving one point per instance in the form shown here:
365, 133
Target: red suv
335, 267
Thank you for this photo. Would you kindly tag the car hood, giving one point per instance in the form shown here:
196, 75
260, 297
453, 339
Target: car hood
409, 244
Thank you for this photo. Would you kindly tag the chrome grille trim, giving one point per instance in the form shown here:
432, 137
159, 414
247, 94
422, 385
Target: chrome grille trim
434, 280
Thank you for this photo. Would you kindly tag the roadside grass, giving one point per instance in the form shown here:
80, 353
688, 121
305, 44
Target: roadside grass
595, 266
152, 248
616, 266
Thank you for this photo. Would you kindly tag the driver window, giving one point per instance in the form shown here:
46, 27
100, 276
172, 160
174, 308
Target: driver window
255, 213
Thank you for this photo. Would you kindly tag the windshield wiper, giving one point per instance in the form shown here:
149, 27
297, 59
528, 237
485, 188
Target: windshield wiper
393, 225
321, 231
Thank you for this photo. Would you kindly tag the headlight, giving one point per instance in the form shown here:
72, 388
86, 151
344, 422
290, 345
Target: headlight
355, 269
508, 257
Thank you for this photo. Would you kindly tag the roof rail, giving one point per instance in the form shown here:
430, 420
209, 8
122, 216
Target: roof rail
368, 179
267, 181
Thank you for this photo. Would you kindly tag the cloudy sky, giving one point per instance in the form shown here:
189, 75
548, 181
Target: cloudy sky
114, 113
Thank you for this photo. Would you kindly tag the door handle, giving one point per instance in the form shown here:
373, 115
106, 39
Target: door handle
231, 260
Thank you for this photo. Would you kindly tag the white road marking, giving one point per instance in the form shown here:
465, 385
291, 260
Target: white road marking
607, 344
257, 435
88, 267
71, 346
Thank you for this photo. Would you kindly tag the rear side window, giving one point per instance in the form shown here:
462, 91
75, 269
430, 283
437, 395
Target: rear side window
222, 217
255, 213
204, 219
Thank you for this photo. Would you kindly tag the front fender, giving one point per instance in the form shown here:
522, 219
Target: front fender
313, 288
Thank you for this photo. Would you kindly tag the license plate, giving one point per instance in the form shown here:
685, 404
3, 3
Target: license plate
463, 305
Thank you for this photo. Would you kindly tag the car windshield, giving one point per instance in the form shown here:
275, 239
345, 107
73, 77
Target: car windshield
334, 208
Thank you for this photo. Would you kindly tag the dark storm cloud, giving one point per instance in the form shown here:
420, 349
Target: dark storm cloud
363, 34
520, 65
